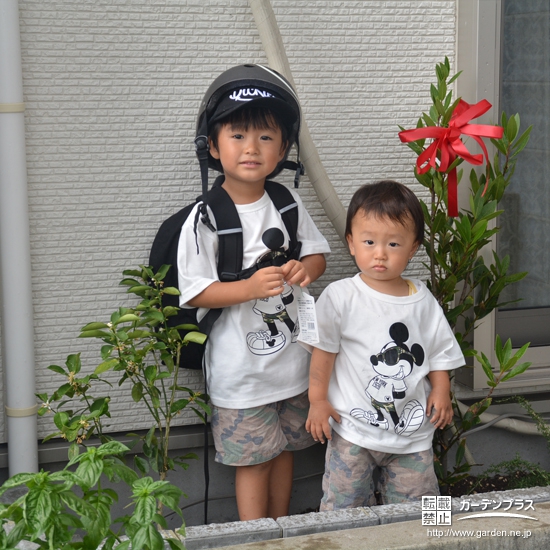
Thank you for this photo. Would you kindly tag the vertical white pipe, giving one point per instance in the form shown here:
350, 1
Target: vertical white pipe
278, 60
15, 258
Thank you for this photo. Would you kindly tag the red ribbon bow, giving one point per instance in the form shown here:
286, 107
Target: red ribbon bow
448, 142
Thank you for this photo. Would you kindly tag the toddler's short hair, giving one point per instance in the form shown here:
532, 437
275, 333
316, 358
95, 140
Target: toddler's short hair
258, 117
387, 199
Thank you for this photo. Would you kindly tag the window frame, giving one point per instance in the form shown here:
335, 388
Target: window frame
478, 43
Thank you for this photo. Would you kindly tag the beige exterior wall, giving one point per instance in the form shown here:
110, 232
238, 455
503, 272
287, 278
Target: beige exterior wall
112, 89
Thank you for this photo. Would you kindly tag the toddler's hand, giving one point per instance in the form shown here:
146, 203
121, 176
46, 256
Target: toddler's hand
317, 420
440, 408
295, 273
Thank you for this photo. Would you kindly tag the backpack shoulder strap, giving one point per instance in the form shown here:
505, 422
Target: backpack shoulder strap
288, 209
230, 234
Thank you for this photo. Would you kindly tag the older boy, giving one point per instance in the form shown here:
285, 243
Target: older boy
257, 375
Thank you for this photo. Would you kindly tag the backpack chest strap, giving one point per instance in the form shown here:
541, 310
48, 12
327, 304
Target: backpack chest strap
230, 231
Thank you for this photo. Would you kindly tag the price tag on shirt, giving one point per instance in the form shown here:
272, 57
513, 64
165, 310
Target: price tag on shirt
307, 319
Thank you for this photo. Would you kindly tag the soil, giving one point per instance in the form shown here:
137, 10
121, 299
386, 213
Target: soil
502, 482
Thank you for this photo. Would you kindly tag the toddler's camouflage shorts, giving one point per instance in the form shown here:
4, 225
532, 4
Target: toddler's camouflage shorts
348, 480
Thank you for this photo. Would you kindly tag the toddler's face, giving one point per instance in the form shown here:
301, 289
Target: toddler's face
382, 248
248, 155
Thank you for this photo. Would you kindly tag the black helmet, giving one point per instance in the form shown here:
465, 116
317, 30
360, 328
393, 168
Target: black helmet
237, 87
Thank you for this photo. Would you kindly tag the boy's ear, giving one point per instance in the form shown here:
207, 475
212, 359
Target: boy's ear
414, 250
283, 151
350, 245
213, 151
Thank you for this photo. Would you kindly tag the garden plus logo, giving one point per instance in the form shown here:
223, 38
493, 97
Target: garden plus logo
490, 508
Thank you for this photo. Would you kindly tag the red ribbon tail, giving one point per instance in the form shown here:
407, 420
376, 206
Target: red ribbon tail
452, 194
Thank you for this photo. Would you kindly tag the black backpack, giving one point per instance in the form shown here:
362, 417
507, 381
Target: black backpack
230, 254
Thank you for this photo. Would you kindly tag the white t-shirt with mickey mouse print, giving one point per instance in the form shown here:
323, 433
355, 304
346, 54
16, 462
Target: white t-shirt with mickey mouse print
247, 365
379, 384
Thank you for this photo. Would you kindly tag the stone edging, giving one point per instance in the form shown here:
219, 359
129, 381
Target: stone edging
216, 535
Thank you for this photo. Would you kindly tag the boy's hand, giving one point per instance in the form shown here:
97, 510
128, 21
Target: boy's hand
440, 408
317, 420
295, 273
266, 282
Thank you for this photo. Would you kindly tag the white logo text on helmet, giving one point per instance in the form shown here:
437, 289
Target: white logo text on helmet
248, 94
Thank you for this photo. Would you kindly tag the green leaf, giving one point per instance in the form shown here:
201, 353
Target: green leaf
154, 315
145, 509
78, 504
139, 334
150, 373
94, 334
105, 366
132, 273
147, 537
139, 289
512, 127
129, 282
112, 448
38, 510
522, 141
453, 78
16, 535
137, 392
141, 464
162, 272
58, 369
518, 369
129, 317
187, 327
89, 472
196, 337
178, 405
74, 451
94, 326
172, 291
170, 496
175, 544
460, 452
73, 363
486, 365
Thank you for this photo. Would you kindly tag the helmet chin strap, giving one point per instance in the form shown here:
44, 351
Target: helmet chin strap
297, 166
202, 147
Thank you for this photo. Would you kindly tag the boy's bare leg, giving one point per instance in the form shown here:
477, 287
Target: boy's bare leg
263, 490
280, 485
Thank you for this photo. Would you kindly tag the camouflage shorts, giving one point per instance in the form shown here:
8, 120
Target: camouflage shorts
244, 437
348, 480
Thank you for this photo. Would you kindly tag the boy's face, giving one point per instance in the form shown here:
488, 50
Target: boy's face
248, 156
382, 248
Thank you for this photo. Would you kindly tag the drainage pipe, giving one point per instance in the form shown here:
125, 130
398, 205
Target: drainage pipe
15, 258
278, 60
501, 421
